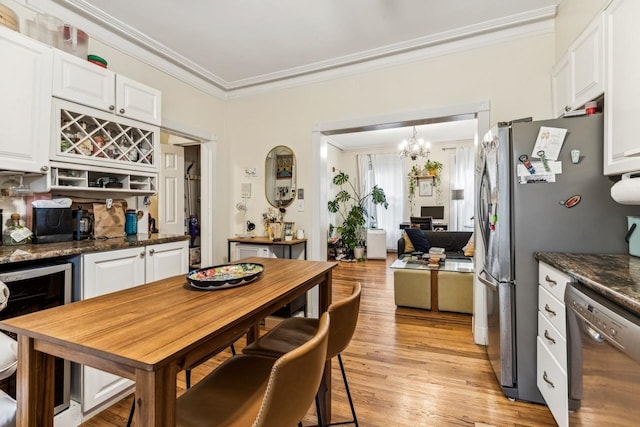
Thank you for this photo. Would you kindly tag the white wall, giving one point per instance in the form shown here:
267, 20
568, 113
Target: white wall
513, 76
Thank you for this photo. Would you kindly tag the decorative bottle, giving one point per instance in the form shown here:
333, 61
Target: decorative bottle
16, 234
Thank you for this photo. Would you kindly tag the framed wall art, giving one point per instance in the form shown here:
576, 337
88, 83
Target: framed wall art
284, 166
425, 187
288, 229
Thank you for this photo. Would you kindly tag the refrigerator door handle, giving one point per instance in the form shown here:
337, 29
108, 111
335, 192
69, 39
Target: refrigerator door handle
490, 284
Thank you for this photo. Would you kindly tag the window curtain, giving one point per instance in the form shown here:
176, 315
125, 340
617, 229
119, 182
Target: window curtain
365, 180
388, 175
461, 211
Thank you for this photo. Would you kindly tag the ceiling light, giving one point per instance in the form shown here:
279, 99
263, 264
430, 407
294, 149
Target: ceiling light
414, 147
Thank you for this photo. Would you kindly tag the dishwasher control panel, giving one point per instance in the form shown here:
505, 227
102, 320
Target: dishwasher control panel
610, 322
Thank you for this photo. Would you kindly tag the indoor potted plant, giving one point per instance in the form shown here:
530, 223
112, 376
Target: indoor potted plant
351, 204
434, 169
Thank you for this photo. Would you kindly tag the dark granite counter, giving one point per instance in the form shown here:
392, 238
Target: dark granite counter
616, 277
31, 252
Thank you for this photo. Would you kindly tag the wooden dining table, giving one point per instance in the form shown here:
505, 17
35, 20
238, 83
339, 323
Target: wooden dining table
151, 332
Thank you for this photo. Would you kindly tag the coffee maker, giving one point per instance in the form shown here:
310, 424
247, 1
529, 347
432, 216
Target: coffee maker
82, 224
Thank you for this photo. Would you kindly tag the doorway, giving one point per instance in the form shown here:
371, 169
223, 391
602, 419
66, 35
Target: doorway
321, 173
177, 208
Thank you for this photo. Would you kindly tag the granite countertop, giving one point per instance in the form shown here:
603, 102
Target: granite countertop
616, 277
30, 252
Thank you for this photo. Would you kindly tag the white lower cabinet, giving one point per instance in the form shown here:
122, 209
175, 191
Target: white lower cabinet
552, 342
111, 271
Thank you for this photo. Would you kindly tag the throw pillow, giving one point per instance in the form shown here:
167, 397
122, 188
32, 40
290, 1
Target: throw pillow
417, 237
408, 246
469, 248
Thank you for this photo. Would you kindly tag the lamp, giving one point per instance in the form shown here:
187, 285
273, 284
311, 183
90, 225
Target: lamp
414, 147
456, 196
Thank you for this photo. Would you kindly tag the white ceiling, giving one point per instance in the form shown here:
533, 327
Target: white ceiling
244, 43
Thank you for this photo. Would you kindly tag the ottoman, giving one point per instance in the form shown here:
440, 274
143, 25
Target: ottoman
412, 288
455, 292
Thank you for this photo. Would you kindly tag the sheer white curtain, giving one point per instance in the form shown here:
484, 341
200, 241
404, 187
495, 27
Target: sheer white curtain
462, 178
388, 175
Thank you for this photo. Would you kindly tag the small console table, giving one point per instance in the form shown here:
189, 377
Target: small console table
265, 241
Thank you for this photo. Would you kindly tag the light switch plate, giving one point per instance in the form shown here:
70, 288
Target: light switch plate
245, 190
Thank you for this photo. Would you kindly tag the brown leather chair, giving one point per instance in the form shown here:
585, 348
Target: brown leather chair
188, 371
294, 331
249, 390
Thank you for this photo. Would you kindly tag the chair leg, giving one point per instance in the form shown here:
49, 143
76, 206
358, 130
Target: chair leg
346, 387
133, 409
318, 413
233, 350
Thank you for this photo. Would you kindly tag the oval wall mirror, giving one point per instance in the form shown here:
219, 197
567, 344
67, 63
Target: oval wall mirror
280, 176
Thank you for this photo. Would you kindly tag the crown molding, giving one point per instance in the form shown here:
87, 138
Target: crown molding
128, 40
445, 48
403, 47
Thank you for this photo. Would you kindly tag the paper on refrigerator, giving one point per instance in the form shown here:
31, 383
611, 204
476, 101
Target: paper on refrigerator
550, 142
525, 177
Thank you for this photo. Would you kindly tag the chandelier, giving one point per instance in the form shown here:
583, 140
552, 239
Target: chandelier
414, 147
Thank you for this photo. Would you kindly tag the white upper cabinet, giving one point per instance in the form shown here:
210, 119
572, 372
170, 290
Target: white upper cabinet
88, 84
82, 82
25, 103
579, 75
587, 65
622, 106
137, 101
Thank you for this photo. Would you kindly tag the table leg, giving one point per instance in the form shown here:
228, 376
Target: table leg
253, 333
155, 396
324, 391
35, 385
434, 290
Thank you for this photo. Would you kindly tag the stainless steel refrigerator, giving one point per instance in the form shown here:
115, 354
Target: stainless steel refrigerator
516, 220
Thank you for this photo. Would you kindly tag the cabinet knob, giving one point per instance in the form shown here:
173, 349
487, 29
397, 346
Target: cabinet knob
142, 254
567, 108
122, 111
152, 251
112, 107
44, 168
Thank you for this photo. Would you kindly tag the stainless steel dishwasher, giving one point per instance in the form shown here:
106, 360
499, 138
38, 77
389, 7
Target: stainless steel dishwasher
604, 360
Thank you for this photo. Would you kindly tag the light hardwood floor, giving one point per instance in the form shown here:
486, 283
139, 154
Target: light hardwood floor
406, 367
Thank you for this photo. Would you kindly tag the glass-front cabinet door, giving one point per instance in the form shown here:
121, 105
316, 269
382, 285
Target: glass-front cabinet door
92, 137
